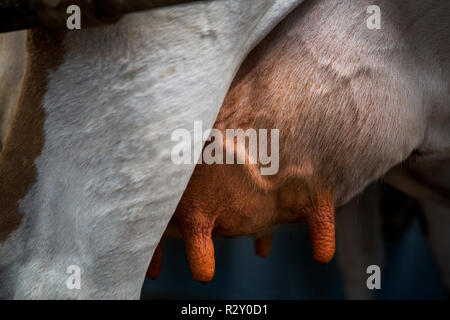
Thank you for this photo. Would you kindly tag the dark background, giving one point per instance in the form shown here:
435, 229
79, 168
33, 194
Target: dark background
290, 272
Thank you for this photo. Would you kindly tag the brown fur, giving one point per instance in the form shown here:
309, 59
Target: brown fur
12, 67
26, 138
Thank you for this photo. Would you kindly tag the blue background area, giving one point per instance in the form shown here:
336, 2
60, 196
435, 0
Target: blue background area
290, 272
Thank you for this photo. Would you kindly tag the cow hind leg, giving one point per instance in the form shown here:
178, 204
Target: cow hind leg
436, 224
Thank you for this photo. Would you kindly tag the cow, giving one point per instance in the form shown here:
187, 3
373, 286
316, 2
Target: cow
352, 105
87, 185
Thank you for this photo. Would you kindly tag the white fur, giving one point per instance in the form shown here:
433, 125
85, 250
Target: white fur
106, 187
